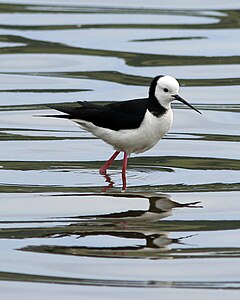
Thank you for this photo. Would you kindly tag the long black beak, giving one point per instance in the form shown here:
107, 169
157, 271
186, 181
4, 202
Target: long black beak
177, 97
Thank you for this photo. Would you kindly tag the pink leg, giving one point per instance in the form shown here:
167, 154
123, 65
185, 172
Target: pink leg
107, 164
124, 168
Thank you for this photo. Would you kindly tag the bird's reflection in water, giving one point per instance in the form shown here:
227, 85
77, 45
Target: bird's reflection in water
159, 206
136, 234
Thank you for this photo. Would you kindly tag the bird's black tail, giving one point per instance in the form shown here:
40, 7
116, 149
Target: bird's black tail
70, 111
79, 110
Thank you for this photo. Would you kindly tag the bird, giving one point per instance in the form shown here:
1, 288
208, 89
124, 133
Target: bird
130, 126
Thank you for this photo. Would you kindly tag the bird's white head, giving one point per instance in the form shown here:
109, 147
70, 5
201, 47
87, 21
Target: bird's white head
165, 90
166, 87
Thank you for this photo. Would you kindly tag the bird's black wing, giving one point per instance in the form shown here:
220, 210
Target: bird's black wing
120, 115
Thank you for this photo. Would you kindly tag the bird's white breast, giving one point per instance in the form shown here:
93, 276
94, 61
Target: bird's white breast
138, 140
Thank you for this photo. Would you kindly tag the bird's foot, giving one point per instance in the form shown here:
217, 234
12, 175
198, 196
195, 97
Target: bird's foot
103, 171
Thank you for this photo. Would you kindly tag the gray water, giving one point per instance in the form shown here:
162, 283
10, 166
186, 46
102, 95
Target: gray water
64, 234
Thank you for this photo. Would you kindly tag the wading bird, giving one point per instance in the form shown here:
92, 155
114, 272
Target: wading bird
131, 126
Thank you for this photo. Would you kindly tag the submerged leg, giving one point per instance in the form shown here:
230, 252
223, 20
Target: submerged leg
108, 163
109, 181
124, 168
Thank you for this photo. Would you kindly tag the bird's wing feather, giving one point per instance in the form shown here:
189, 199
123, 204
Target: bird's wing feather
120, 115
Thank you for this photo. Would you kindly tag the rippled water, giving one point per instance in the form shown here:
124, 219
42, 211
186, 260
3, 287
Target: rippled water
175, 233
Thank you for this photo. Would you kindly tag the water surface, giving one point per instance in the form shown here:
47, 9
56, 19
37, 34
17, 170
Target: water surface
63, 232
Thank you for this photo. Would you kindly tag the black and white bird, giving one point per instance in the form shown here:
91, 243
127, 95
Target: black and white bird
131, 126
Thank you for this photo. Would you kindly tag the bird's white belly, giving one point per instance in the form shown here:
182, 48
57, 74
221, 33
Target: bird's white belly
137, 140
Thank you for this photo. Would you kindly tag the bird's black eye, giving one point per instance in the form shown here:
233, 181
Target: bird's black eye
165, 90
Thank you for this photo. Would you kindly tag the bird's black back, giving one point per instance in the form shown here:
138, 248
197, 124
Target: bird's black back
116, 116
120, 115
